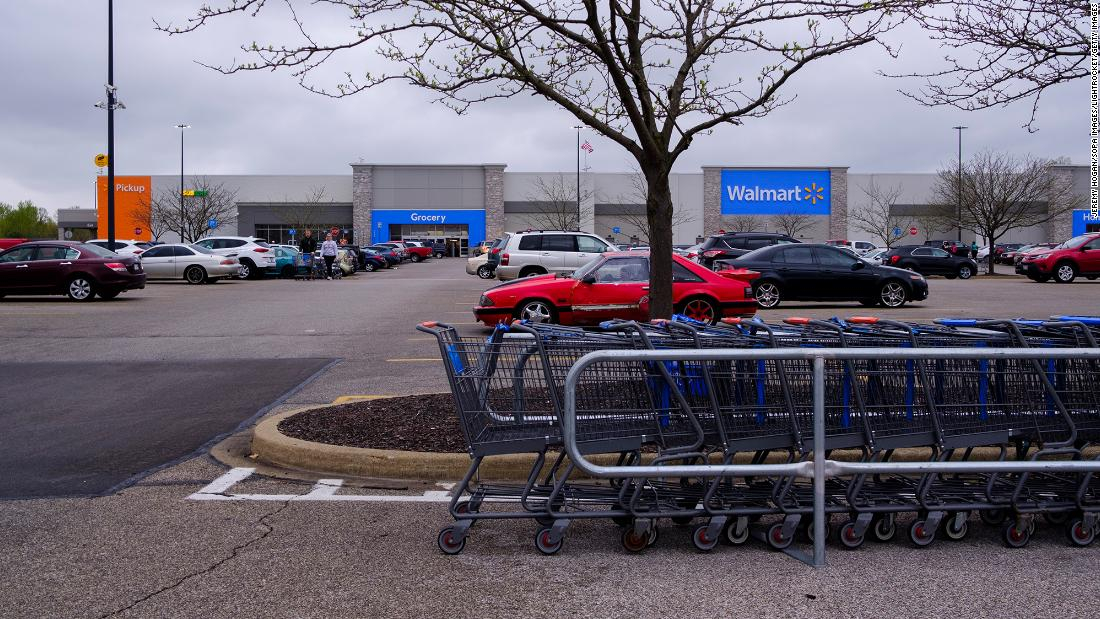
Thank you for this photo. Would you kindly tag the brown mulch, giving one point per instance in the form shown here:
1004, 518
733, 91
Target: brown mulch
409, 423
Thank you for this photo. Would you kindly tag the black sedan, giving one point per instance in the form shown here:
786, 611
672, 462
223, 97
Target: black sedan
806, 272
77, 270
930, 261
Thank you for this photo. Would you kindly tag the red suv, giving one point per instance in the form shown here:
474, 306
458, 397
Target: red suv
1077, 256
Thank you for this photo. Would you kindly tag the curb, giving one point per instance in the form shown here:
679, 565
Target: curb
274, 448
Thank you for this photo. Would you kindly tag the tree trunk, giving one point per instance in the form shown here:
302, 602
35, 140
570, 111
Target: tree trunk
659, 217
991, 258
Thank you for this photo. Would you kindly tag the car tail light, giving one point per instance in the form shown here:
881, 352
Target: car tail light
504, 259
260, 250
116, 266
712, 253
894, 259
138, 251
228, 261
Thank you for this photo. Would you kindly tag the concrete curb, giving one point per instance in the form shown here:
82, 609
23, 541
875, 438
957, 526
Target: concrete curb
274, 448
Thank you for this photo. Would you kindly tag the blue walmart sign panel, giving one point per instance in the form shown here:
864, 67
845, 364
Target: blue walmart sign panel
1082, 220
775, 192
381, 220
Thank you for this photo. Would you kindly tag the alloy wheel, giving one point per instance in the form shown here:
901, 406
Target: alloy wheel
892, 295
767, 294
80, 289
536, 311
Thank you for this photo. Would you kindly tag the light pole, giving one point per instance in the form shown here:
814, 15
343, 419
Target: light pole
959, 191
181, 127
111, 105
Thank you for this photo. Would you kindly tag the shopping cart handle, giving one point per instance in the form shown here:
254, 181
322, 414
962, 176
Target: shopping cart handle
797, 320
1088, 320
863, 320
956, 322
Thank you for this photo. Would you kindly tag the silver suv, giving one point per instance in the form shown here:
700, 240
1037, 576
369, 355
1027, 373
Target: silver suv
538, 252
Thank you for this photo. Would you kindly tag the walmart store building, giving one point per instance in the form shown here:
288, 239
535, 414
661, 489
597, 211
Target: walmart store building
464, 204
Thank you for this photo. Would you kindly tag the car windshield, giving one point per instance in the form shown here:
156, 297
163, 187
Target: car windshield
102, 252
1075, 241
200, 249
580, 273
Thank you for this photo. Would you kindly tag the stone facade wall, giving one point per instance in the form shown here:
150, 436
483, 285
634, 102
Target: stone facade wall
1060, 227
838, 217
362, 188
712, 200
494, 202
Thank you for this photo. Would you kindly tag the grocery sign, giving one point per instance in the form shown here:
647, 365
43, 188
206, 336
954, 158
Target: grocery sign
776, 192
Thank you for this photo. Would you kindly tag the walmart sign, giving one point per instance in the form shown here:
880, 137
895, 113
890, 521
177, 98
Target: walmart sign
775, 192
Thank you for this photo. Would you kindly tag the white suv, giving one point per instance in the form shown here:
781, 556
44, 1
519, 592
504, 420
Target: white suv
122, 247
538, 252
255, 255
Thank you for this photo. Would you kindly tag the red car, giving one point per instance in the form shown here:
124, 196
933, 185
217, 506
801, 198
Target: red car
616, 285
415, 252
1077, 256
78, 270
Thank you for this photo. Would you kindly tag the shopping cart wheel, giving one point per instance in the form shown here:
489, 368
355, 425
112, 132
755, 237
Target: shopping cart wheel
544, 544
701, 540
992, 517
731, 534
1015, 537
634, 542
652, 536
919, 535
447, 542
884, 529
848, 536
462, 507
953, 531
1080, 534
810, 530
776, 539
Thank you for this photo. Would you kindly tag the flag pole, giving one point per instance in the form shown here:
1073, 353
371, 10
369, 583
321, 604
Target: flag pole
578, 128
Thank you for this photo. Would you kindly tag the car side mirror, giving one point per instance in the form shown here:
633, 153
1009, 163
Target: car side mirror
589, 279
858, 265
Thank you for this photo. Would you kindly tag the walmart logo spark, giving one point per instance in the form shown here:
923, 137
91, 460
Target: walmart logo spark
814, 193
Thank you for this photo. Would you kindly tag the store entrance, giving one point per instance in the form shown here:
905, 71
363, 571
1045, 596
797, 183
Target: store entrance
456, 237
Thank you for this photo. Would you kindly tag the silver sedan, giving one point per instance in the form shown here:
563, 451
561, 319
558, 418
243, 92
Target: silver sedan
193, 263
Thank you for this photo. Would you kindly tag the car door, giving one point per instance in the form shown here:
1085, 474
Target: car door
620, 290
159, 263
925, 263
940, 262
800, 274
1089, 260
847, 277
15, 265
556, 252
588, 248
182, 257
50, 266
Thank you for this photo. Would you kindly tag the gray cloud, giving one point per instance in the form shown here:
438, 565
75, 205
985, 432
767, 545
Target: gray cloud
263, 123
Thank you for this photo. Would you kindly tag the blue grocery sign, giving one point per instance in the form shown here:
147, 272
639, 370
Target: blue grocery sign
776, 192
616, 230
213, 223
474, 220
1082, 220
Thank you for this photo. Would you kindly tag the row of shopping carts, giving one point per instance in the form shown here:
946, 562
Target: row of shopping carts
509, 393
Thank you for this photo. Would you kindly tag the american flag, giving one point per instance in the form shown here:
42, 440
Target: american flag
586, 147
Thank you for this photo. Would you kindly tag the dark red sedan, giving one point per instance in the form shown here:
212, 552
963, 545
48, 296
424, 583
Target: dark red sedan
616, 285
77, 270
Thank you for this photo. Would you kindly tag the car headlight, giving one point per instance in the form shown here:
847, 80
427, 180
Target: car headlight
1041, 257
485, 301
919, 278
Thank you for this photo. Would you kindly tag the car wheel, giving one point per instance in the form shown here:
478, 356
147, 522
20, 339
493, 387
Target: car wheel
1065, 273
108, 294
246, 269
485, 272
194, 275
438, 255
531, 272
892, 294
80, 288
536, 310
768, 295
369, 267
966, 271
416, 258
703, 310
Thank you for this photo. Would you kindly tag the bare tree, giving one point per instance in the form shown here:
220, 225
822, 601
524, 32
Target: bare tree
792, 223
304, 215
877, 218
1004, 51
651, 80
556, 204
638, 194
743, 223
933, 221
211, 202
1001, 192
150, 213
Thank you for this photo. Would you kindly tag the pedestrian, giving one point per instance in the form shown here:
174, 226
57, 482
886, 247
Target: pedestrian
307, 246
974, 249
328, 253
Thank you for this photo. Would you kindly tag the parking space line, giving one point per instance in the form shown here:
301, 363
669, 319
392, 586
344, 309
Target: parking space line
344, 399
322, 490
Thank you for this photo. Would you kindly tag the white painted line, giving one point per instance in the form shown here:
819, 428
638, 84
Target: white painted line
323, 490
216, 489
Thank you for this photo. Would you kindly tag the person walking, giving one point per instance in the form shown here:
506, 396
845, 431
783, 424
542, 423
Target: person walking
307, 245
328, 253
974, 250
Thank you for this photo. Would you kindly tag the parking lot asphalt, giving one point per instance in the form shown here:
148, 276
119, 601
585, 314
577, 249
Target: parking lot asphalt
149, 550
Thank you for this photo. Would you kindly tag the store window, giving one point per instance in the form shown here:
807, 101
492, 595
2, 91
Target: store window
280, 233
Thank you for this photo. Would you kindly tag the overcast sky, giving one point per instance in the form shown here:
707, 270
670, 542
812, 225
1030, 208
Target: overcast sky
55, 66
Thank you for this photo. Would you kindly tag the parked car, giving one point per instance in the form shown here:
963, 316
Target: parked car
810, 272
983, 253
875, 255
371, 260
930, 261
390, 254
414, 252
123, 247
255, 255
536, 252
859, 247
734, 244
999, 251
439, 248
1079, 256
482, 247
9, 243
78, 270
192, 263
1037, 248
286, 261
479, 265
616, 285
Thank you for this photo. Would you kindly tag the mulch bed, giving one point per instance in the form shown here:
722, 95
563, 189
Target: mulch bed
409, 423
